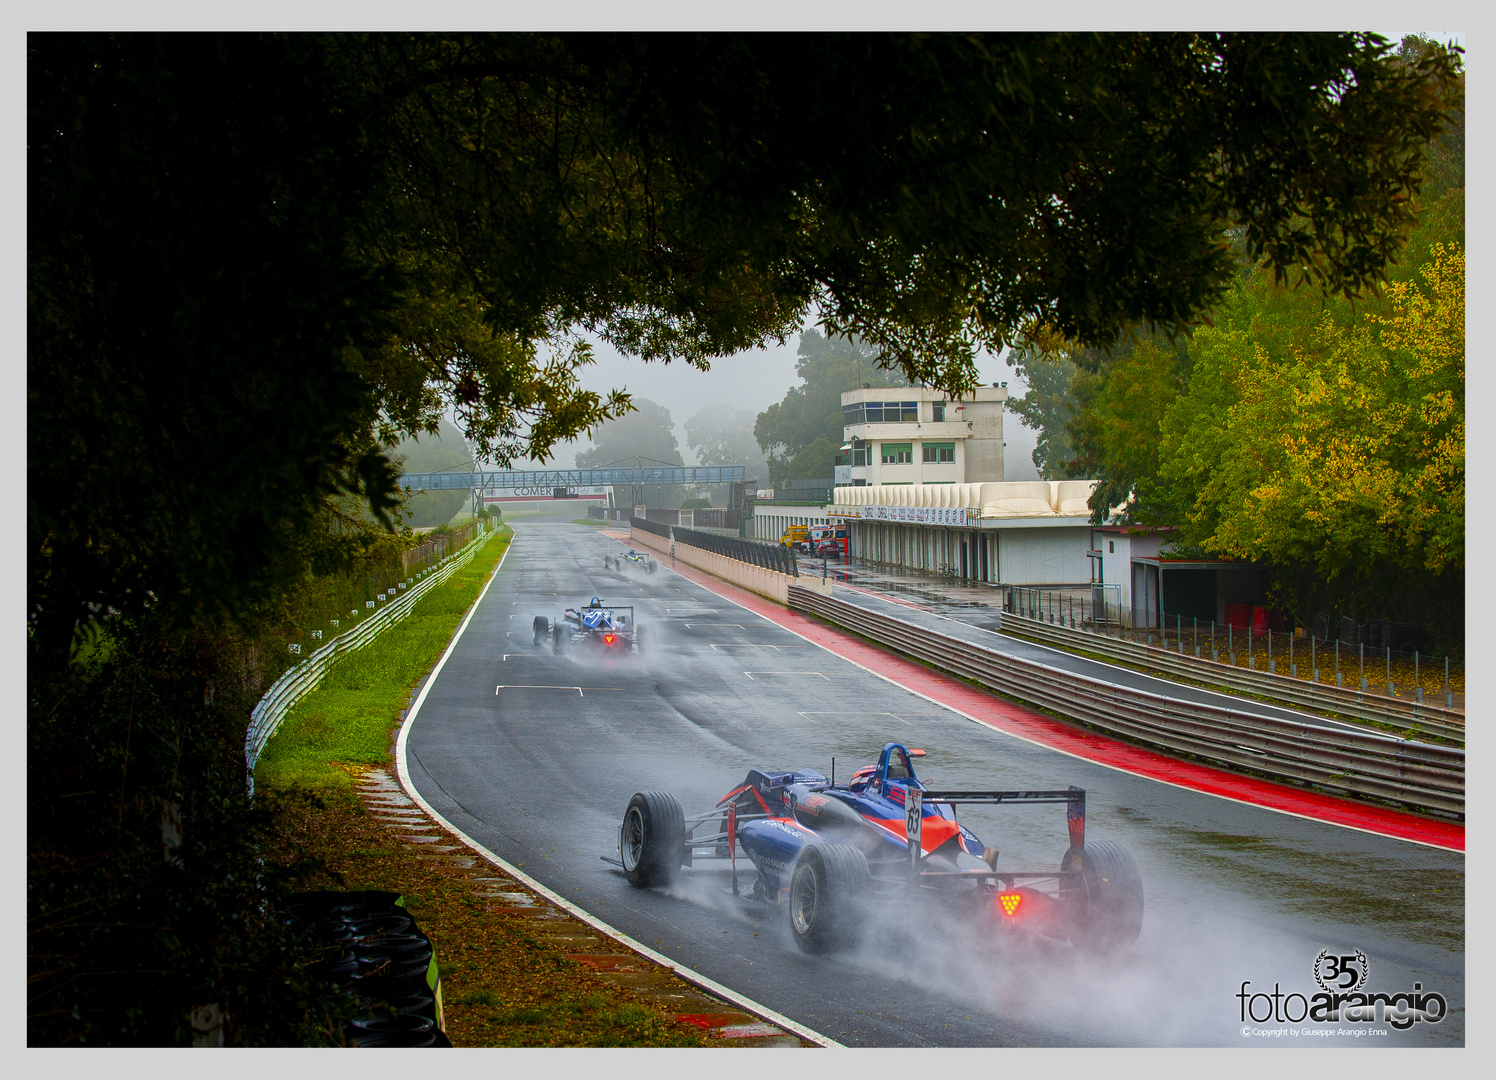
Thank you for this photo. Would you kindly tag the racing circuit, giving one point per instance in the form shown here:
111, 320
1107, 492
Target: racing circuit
535, 756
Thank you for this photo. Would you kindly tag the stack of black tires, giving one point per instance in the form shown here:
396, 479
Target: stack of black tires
372, 946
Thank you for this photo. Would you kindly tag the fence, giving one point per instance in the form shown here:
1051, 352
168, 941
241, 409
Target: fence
1188, 659
770, 557
644, 525
1418, 775
302, 679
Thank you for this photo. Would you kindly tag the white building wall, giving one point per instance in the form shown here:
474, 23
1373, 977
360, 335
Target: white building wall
1048, 556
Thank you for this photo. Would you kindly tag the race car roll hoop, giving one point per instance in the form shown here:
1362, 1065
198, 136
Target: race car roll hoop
832, 853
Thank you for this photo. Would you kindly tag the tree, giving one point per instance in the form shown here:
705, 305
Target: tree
1046, 407
802, 433
256, 261
647, 432
432, 453
721, 435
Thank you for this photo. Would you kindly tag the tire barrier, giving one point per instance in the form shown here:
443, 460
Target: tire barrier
1417, 775
1412, 717
769, 556
302, 679
371, 945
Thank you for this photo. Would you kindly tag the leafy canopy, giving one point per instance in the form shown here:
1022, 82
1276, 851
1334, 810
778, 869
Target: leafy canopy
255, 261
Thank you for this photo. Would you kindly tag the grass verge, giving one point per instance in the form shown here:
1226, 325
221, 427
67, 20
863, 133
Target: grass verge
503, 985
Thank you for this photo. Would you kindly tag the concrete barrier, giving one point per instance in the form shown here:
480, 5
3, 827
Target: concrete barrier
766, 583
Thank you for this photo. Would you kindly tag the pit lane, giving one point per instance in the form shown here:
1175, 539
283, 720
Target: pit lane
535, 756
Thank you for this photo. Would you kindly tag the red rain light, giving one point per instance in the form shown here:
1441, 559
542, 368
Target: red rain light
608, 639
1010, 902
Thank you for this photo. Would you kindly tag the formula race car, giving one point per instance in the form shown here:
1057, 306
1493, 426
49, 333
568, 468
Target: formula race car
639, 558
832, 855
594, 626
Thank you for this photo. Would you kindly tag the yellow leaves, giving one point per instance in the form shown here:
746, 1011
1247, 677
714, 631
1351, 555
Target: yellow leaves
1340, 446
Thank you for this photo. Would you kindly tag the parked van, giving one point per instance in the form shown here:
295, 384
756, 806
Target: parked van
795, 537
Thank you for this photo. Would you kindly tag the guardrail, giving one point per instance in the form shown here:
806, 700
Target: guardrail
1408, 716
302, 679
1418, 775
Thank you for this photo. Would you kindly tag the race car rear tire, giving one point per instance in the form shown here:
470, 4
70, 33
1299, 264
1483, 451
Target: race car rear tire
639, 639
1109, 910
542, 628
649, 564
560, 638
828, 889
652, 843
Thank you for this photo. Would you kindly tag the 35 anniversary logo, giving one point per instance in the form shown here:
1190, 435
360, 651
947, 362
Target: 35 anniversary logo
1340, 977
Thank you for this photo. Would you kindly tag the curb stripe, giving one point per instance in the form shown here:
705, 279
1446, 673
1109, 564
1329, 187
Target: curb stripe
690, 976
1084, 744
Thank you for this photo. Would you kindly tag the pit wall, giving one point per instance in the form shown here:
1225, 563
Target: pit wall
766, 583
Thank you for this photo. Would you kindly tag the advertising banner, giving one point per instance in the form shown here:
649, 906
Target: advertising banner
958, 516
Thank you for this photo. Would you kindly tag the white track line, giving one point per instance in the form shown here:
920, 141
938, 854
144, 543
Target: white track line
1035, 742
743, 1002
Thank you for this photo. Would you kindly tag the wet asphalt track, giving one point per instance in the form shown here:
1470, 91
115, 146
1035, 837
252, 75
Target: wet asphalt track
535, 757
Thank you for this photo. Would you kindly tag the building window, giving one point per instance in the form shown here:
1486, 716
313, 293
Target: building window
859, 456
937, 411
1111, 547
898, 453
881, 412
940, 453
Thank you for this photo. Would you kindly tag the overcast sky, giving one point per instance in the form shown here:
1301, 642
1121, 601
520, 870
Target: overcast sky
751, 380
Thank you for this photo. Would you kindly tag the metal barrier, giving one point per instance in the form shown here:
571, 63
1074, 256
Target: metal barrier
302, 679
1422, 776
769, 556
1408, 716
650, 526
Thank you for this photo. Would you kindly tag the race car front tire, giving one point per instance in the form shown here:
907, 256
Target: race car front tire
828, 889
608, 561
652, 843
542, 628
1109, 909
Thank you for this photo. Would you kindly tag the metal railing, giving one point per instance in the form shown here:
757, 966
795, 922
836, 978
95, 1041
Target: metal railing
655, 527
302, 679
1412, 717
770, 557
1417, 775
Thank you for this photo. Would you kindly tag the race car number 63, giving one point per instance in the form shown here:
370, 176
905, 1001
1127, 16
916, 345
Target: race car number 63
913, 813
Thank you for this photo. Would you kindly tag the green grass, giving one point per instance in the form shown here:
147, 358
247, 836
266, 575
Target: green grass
350, 718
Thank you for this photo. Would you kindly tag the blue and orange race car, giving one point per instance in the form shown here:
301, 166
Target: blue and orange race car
829, 853
599, 626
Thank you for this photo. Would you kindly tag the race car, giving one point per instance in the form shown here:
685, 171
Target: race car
832, 855
596, 626
639, 558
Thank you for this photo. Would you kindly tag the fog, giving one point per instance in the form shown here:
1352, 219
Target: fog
751, 380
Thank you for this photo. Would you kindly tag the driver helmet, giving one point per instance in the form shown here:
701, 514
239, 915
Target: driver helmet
861, 777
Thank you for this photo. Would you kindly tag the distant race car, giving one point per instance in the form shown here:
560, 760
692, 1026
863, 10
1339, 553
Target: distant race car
639, 558
597, 625
832, 855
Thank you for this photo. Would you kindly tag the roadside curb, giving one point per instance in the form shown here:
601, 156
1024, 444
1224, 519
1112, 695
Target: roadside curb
1073, 740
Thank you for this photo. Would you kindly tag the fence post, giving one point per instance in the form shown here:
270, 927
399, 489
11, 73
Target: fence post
1362, 646
1391, 690
1417, 682
1448, 697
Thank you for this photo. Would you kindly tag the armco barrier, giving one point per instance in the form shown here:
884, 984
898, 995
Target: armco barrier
302, 679
1418, 775
1409, 716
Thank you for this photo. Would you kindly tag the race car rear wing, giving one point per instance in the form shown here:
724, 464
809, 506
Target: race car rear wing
1073, 797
